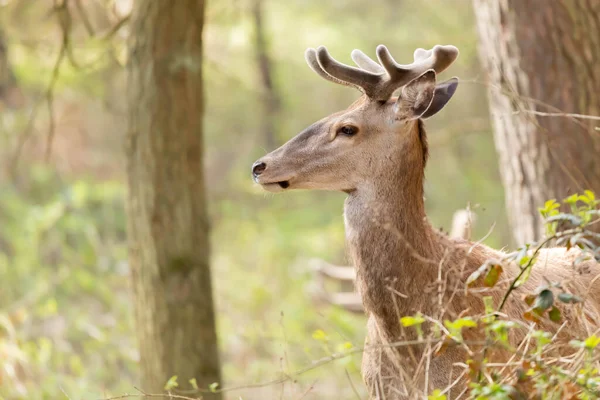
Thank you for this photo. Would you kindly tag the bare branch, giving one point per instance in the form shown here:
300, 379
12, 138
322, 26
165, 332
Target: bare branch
559, 114
50, 100
352, 384
115, 28
152, 395
61, 10
84, 17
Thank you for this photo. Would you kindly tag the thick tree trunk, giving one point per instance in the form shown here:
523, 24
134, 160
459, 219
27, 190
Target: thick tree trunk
167, 217
271, 102
542, 56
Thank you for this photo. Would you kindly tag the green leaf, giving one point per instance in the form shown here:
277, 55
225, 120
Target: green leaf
588, 197
501, 328
473, 278
488, 302
411, 321
521, 254
572, 199
320, 335
554, 314
490, 270
531, 316
493, 275
529, 299
436, 395
459, 324
549, 206
592, 342
569, 298
171, 383
194, 383
213, 387
544, 300
543, 338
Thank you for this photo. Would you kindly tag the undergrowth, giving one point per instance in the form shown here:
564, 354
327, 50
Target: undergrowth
542, 365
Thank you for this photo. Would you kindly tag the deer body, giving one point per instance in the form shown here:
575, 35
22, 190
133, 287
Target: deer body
400, 260
395, 281
376, 151
396, 255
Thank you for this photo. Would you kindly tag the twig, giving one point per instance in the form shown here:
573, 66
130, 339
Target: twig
520, 103
61, 9
558, 114
311, 387
530, 263
50, 101
65, 393
338, 356
48, 96
84, 18
115, 28
23, 137
352, 384
154, 395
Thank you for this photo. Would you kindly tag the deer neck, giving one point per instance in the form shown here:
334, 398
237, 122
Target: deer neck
390, 241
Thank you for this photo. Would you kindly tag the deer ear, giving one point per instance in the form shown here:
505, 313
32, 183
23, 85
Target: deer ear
416, 97
443, 93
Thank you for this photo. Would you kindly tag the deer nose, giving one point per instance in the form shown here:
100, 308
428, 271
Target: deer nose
258, 168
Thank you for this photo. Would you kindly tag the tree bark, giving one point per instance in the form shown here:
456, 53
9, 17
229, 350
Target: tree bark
542, 56
271, 101
167, 218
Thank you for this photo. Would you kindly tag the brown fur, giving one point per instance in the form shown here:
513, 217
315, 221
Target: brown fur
400, 260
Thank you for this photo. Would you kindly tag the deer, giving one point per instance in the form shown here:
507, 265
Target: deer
462, 225
376, 152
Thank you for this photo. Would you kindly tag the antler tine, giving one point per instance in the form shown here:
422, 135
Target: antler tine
379, 81
438, 59
365, 62
387, 61
421, 54
311, 59
441, 56
363, 79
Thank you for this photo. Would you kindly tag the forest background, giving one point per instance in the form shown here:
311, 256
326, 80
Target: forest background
66, 308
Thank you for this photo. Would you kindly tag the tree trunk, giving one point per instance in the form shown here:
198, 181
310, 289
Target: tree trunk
167, 217
542, 57
271, 102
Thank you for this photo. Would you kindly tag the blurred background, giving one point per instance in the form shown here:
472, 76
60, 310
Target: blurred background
66, 312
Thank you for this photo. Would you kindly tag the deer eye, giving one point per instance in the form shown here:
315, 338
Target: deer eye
347, 130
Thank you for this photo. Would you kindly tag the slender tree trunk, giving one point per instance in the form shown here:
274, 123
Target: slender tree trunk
271, 101
167, 217
542, 56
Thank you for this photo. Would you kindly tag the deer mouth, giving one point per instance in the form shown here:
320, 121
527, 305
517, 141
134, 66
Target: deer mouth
278, 186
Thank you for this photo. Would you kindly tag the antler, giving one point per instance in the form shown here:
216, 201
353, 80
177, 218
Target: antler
379, 81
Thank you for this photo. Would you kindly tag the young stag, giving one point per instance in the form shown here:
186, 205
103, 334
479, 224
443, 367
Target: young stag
375, 151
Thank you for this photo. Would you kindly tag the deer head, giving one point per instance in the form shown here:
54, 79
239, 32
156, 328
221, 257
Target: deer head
377, 132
